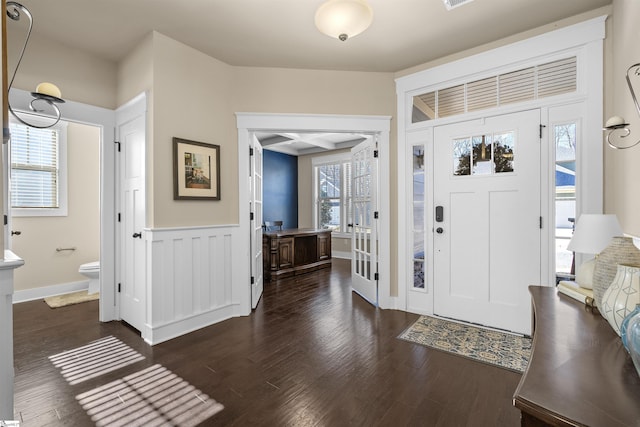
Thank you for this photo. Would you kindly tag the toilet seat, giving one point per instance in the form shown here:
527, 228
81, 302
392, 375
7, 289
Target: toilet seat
90, 266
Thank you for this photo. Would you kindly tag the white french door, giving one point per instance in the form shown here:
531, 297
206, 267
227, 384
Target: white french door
364, 242
487, 220
257, 278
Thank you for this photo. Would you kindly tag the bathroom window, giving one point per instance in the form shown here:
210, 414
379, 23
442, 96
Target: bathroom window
38, 170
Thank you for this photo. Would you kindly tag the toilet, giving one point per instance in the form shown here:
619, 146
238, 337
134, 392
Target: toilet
92, 271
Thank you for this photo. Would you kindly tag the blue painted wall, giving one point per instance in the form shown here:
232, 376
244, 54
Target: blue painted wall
280, 188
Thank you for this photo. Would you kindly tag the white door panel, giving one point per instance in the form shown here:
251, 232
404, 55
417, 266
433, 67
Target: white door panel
257, 283
364, 252
487, 247
132, 206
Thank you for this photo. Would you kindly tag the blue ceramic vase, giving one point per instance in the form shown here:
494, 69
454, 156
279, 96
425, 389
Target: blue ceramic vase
625, 324
630, 333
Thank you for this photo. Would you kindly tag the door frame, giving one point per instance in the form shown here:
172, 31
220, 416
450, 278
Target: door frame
249, 123
583, 40
104, 119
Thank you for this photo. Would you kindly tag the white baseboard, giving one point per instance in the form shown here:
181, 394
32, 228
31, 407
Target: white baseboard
49, 291
341, 255
173, 329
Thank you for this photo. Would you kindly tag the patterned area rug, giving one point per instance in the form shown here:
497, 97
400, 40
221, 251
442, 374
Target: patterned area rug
70, 299
495, 348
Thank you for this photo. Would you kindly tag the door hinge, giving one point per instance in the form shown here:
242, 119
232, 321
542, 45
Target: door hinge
119, 217
6, 220
251, 151
375, 154
376, 276
541, 127
119, 287
250, 216
541, 223
253, 280
375, 215
118, 143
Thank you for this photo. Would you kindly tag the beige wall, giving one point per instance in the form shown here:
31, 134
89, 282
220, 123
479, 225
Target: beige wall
80, 76
622, 174
191, 100
40, 237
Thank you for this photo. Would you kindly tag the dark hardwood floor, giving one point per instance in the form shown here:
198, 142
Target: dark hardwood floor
312, 354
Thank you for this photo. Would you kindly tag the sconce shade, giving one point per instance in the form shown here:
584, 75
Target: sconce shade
49, 89
593, 233
343, 19
614, 122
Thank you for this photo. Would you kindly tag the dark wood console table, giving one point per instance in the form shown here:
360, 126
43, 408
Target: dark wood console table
579, 373
290, 252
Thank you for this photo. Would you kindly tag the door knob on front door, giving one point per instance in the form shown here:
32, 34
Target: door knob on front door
439, 230
138, 235
16, 233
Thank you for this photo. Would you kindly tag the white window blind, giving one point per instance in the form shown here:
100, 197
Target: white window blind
332, 180
34, 167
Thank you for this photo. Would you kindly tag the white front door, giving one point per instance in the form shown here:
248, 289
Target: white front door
257, 279
487, 222
364, 242
131, 167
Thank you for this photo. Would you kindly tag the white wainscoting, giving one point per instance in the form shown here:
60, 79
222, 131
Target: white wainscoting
194, 279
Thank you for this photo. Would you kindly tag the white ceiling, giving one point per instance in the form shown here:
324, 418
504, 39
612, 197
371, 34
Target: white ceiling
298, 144
281, 33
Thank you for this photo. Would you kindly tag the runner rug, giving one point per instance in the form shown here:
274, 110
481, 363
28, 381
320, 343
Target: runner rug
501, 349
70, 299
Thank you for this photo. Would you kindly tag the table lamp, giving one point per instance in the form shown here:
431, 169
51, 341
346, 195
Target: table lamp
601, 234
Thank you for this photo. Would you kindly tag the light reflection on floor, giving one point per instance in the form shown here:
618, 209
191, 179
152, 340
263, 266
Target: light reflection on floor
94, 359
153, 396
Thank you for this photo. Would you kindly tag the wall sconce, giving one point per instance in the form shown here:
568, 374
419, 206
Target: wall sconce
617, 123
343, 19
46, 94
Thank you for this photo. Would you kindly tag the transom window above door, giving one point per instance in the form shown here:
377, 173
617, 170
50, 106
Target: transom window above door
541, 81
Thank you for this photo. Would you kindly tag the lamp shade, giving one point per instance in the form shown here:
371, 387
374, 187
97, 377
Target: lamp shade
593, 233
343, 19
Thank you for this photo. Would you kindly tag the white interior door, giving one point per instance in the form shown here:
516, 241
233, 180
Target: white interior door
364, 242
131, 165
257, 279
487, 236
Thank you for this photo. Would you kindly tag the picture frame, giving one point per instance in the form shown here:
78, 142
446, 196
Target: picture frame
196, 170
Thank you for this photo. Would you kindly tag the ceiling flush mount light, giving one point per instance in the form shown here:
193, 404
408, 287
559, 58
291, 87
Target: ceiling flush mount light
343, 19
617, 123
46, 95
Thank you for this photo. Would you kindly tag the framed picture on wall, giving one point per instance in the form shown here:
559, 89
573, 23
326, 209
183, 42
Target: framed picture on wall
196, 170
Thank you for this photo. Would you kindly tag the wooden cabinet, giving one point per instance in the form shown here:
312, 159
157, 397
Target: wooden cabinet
580, 373
290, 252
